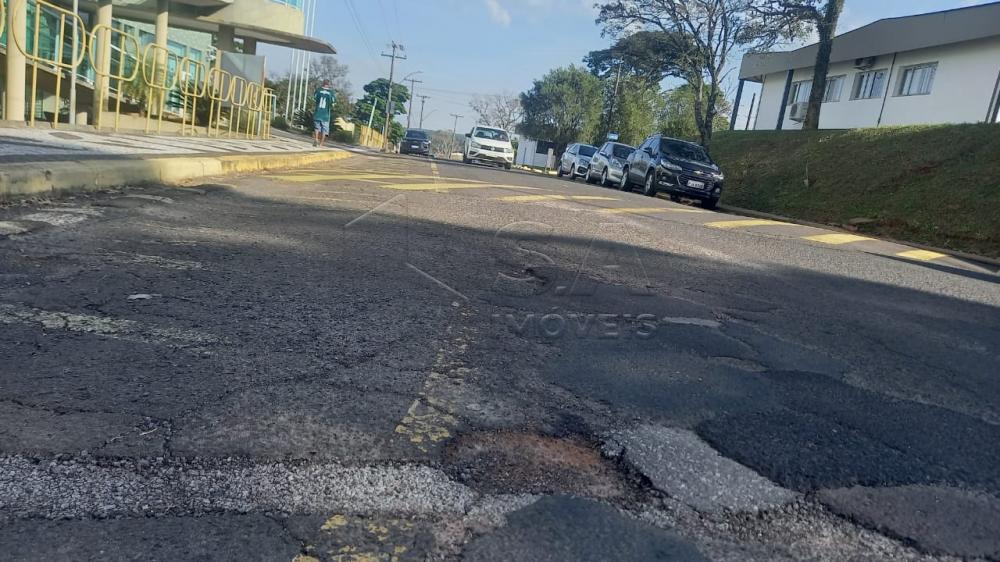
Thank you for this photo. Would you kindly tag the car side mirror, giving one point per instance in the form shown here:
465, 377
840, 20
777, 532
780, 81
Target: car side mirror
648, 150
468, 135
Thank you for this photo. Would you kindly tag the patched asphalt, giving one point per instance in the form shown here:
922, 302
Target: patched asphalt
395, 358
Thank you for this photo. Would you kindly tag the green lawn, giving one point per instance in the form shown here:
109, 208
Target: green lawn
936, 185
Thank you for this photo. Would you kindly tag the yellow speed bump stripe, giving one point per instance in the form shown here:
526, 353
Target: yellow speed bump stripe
445, 186
837, 239
532, 198
921, 255
308, 178
744, 223
641, 210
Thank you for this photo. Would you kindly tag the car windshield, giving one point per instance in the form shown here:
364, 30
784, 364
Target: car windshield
684, 151
622, 151
492, 134
416, 135
586, 150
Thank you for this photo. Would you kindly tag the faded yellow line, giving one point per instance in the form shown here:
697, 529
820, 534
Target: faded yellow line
921, 255
641, 210
533, 198
744, 223
447, 186
308, 178
837, 239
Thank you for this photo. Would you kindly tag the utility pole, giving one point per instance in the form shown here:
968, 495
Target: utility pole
413, 88
454, 133
389, 104
423, 101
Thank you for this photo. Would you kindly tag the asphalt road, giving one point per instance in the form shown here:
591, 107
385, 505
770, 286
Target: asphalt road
395, 359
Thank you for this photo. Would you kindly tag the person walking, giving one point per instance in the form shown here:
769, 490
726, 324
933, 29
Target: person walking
321, 117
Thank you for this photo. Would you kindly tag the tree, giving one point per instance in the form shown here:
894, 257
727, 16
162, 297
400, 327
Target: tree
791, 16
562, 107
375, 95
650, 55
323, 68
677, 118
499, 110
704, 35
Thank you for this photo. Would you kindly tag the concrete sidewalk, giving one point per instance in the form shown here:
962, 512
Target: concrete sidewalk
42, 161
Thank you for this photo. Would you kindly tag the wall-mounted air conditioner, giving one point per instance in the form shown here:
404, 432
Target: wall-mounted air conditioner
797, 112
865, 63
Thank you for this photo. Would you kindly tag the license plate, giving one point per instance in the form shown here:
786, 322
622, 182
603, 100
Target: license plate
414, 146
696, 184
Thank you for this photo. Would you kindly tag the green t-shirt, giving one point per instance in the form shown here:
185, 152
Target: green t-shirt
324, 103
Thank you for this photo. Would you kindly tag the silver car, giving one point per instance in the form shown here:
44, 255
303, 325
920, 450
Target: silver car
576, 160
606, 166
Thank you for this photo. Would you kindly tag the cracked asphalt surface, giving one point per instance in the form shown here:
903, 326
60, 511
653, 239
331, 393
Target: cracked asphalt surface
397, 359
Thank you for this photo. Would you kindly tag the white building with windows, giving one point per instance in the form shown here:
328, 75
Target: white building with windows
940, 67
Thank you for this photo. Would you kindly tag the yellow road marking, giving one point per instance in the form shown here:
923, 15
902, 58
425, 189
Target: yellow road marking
445, 186
334, 522
743, 223
531, 198
640, 210
837, 239
309, 178
921, 255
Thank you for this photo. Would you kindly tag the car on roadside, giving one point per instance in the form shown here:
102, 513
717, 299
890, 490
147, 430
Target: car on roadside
415, 141
608, 163
676, 167
488, 145
575, 160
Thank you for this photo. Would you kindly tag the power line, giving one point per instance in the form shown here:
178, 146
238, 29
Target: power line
413, 88
356, 19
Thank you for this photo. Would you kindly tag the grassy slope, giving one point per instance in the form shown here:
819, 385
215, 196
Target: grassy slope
933, 185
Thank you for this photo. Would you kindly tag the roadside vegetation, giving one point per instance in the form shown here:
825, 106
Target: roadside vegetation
935, 185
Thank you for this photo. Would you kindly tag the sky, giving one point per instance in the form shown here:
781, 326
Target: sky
466, 47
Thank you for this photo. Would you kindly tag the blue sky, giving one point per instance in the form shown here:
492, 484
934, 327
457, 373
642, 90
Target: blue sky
465, 47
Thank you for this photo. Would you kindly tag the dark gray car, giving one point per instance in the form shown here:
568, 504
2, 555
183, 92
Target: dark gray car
679, 168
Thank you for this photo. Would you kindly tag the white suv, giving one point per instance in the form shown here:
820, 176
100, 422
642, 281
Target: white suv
488, 145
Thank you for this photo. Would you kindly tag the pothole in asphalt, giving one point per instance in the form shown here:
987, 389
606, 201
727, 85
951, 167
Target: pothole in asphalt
510, 462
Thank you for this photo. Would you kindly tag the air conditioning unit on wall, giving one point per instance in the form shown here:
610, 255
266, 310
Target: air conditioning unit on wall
866, 63
798, 111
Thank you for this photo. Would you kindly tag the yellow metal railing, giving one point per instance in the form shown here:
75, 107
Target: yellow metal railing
153, 69
194, 85
57, 61
100, 60
159, 80
220, 90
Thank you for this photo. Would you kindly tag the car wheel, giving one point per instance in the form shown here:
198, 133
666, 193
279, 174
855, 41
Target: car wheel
559, 172
590, 175
624, 185
507, 166
604, 178
710, 204
649, 188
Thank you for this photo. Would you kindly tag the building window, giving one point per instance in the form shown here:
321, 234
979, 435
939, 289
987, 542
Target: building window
834, 88
917, 80
800, 92
868, 85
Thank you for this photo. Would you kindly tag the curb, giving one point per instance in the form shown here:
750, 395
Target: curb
992, 262
53, 178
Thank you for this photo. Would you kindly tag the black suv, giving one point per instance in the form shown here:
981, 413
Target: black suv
415, 141
677, 167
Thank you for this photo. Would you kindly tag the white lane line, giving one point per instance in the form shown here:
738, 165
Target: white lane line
126, 330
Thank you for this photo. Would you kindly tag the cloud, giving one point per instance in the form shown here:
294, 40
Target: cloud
498, 13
